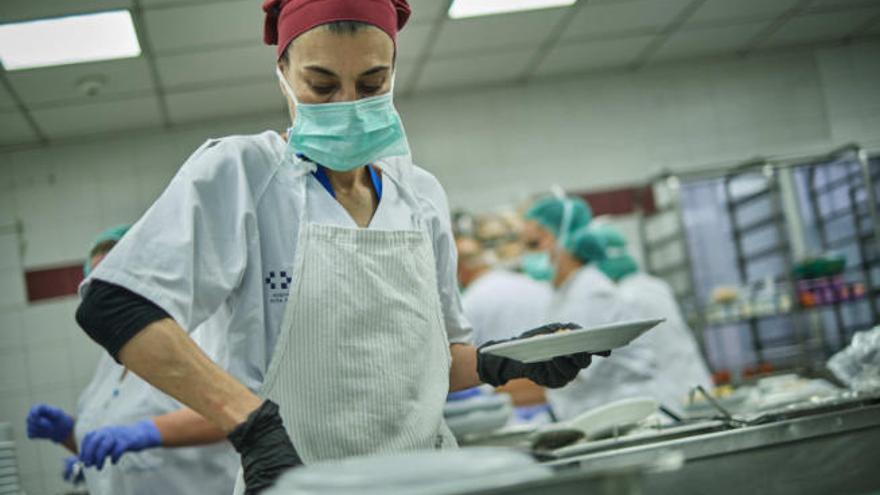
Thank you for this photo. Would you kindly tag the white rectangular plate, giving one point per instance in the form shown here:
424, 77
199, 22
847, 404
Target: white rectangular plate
596, 339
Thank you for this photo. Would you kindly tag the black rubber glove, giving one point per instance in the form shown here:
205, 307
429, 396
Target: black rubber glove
265, 448
556, 373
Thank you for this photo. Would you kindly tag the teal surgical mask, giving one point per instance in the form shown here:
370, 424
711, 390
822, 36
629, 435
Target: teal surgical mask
346, 135
538, 266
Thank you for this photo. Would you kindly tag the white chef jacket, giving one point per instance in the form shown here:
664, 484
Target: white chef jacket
225, 232
501, 304
589, 298
681, 365
661, 364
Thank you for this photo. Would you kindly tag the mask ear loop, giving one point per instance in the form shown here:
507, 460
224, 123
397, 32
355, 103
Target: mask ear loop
567, 207
286, 85
289, 154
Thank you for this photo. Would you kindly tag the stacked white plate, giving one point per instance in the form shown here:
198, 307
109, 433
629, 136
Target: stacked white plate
9, 482
481, 413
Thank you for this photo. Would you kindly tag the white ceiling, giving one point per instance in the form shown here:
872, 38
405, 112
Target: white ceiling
203, 58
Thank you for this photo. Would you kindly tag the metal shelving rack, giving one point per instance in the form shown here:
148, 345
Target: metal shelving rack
744, 234
796, 337
839, 196
677, 273
871, 247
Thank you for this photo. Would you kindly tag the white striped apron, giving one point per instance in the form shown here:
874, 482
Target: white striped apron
362, 361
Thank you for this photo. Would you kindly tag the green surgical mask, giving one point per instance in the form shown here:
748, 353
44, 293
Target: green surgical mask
538, 266
346, 135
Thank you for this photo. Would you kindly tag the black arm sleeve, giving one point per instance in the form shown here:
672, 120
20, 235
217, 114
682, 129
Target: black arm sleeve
111, 315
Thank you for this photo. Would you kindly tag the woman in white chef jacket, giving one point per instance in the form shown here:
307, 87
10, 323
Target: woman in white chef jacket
680, 365
158, 447
339, 277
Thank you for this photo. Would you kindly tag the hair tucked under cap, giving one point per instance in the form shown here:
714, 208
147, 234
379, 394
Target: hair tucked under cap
287, 19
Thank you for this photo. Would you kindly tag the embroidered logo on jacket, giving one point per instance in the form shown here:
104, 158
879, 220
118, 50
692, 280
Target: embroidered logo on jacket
278, 286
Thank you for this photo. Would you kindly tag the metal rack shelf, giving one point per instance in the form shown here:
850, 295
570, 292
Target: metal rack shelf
677, 274
744, 235
772, 218
842, 227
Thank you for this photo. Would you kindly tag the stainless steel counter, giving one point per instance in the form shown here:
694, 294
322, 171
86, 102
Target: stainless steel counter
819, 449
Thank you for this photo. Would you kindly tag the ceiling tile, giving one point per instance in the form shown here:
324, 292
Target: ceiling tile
224, 102
813, 28
14, 129
204, 25
824, 5
107, 116
412, 40
645, 16
54, 84
256, 61
426, 11
14, 10
709, 41
573, 58
477, 70
717, 11
149, 4
6, 101
527, 29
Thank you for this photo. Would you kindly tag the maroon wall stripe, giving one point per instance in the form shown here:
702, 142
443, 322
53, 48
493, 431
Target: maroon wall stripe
48, 283
620, 201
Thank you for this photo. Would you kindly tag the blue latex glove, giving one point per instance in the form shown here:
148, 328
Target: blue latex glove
113, 441
69, 475
45, 421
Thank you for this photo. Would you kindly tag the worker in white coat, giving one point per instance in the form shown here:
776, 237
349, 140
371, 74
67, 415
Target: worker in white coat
657, 365
497, 301
680, 365
558, 227
155, 445
333, 253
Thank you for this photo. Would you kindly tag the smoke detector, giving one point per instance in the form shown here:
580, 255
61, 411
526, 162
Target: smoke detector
91, 85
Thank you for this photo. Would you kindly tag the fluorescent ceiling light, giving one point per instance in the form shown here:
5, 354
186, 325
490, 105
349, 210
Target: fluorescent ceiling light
68, 40
473, 8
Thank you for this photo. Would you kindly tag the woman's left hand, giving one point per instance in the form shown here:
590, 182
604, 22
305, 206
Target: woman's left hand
556, 373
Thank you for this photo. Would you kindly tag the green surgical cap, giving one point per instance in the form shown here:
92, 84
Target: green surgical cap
586, 246
619, 267
611, 236
549, 212
111, 234
618, 264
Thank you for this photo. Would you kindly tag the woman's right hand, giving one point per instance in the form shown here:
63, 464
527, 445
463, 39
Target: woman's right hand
265, 448
45, 421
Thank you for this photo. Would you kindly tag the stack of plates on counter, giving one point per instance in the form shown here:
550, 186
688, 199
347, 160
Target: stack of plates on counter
620, 416
430, 472
9, 482
616, 418
476, 411
596, 339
